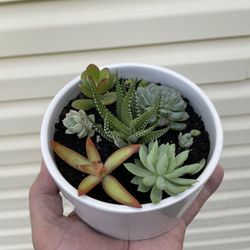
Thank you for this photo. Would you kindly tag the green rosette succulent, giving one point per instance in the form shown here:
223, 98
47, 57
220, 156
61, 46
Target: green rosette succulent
160, 170
172, 105
103, 81
78, 122
186, 140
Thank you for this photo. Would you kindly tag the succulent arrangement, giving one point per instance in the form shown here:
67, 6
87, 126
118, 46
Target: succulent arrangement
135, 117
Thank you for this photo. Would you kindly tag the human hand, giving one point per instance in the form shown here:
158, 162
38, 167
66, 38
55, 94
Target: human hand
51, 230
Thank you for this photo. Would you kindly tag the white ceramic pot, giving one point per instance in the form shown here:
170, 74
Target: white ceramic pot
121, 221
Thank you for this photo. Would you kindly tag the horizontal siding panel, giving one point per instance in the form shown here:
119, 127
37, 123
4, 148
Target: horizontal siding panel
221, 217
236, 156
219, 232
224, 199
230, 98
236, 179
43, 76
22, 148
17, 176
18, 236
25, 246
17, 198
138, 24
14, 219
22, 117
231, 243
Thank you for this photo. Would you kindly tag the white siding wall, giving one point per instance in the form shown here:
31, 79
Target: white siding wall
43, 44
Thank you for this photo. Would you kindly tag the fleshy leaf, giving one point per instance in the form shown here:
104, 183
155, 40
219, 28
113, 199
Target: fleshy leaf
92, 153
137, 170
95, 168
103, 86
85, 104
93, 71
117, 192
181, 158
88, 183
174, 189
162, 165
187, 169
108, 98
155, 194
71, 157
119, 156
150, 180
183, 181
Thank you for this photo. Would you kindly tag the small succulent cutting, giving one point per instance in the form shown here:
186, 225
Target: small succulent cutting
159, 169
186, 140
77, 122
99, 172
103, 80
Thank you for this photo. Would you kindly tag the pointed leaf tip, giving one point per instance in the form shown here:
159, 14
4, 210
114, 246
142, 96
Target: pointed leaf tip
88, 183
119, 156
72, 158
117, 192
92, 152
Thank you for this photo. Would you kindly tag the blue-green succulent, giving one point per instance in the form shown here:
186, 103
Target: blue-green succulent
160, 170
186, 140
172, 105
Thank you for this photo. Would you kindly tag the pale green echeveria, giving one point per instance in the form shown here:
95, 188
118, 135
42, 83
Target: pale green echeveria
186, 140
78, 122
160, 170
172, 105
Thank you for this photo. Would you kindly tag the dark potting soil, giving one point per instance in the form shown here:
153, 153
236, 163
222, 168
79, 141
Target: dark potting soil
199, 150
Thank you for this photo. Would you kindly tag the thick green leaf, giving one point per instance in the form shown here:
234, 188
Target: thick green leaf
162, 164
137, 170
114, 123
103, 86
119, 156
143, 153
126, 108
92, 153
104, 74
93, 71
187, 169
181, 158
71, 157
155, 195
85, 104
149, 180
119, 100
85, 87
143, 188
173, 189
153, 135
136, 180
88, 183
108, 98
183, 181
117, 192
160, 182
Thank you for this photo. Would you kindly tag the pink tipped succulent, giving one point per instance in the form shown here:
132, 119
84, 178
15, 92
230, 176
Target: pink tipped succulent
99, 172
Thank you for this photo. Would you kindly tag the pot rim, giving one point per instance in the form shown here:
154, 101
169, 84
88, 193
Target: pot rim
71, 192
